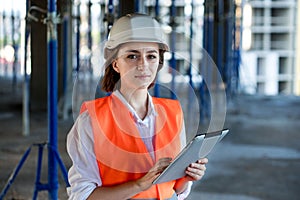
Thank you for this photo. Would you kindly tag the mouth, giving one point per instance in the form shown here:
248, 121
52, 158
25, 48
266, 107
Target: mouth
142, 76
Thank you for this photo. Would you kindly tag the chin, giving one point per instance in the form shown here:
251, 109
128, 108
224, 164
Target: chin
143, 86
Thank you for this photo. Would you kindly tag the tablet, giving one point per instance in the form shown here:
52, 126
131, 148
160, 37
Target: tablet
198, 147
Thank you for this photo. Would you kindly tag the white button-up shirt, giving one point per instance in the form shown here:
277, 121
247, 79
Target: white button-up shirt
84, 174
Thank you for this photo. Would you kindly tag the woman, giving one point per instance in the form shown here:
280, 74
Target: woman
120, 143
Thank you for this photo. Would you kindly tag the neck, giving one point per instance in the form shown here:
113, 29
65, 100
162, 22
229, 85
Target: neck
138, 99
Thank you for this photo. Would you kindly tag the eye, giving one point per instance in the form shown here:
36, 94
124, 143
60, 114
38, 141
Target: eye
151, 56
132, 56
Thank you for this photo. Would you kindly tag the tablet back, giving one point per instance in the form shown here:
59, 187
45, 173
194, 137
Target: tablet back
199, 147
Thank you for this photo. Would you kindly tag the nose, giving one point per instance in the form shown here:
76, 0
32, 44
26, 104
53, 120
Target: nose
142, 62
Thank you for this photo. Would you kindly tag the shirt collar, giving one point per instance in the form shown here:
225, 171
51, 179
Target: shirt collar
151, 110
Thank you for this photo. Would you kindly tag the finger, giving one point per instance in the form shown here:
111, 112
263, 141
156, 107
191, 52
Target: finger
195, 173
195, 176
202, 161
159, 169
166, 159
161, 164
197, 170
198, 166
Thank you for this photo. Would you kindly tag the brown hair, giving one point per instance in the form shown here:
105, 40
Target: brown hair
111, 78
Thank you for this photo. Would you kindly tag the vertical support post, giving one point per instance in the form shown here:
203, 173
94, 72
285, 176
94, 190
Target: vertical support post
190, 73
89, 13
1, 37
68, 70
229, 56
110, 20
156, 86
4, 41
232, 55
52, 99
14, 80
90, 42
157, 10
219, 33
65, 53
191, 45
101, 20
210, 41
203, 64
26, 87
206, 68
173, 47
127, 7
77, 38
236, 40
136, 5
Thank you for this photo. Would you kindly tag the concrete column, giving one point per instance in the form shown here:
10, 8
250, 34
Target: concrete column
271, 73
38, 86
126, 7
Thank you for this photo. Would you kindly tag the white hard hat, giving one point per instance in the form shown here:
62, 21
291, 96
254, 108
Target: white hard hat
134, 28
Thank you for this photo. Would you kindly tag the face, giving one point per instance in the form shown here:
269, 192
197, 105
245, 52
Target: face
137, 64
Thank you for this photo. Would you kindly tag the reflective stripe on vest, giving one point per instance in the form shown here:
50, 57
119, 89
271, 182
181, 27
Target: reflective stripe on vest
174, 197
120, 151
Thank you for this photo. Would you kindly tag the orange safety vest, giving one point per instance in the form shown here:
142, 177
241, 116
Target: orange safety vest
120, 151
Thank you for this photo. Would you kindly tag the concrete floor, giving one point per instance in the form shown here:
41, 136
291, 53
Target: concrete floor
259, 159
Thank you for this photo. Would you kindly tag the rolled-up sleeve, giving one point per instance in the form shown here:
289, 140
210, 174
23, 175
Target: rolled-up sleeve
186, 193
84, 174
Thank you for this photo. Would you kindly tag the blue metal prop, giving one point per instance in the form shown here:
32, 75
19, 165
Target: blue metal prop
77, 38
173, 47
38, 185
52, 99
53, 155
156, 86
65, 54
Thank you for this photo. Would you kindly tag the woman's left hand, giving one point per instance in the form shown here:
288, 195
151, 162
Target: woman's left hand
195, 171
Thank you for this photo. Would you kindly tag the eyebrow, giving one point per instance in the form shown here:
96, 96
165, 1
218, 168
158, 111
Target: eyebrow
136, 51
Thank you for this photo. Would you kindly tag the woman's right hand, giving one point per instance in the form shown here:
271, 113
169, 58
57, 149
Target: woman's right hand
131, 188
146, 181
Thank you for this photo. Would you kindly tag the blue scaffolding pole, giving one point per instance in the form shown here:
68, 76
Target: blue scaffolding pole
219, 57
137, 6
65, 54
190, 72
89, 34
190, 106
236, 60
77, 38
90, 44
172, 47
14, 80
52, 145
52, 99
229, 32
156, 86
110, 15
206, 68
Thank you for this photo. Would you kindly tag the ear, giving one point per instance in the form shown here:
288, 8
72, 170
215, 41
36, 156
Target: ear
115, 66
